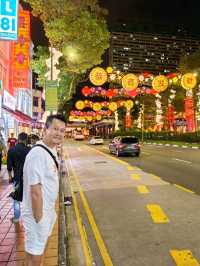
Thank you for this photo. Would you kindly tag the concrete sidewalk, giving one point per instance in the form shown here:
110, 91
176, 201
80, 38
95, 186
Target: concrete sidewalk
12, 235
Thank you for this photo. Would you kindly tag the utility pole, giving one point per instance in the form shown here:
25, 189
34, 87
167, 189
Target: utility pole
51, 51
142, 122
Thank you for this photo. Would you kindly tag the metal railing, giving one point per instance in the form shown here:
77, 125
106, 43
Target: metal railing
63, 256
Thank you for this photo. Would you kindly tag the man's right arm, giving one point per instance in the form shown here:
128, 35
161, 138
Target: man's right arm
37, 201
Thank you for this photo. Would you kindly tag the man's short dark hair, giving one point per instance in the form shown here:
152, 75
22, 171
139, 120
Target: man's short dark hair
50, 119
22, 137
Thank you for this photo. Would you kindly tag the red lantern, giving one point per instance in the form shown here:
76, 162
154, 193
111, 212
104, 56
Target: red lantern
132, 93
86, 91
154, 92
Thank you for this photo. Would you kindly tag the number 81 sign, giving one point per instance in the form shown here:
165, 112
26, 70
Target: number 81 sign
8, 19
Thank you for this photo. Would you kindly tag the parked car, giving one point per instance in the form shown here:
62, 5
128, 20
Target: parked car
96, 140
125, 145
78, 136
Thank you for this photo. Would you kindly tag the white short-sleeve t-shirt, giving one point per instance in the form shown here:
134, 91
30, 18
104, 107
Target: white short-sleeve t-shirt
40, 168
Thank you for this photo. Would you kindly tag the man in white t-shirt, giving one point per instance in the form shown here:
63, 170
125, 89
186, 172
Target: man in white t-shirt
40, 190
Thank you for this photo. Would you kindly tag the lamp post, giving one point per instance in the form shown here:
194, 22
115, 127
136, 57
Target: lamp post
142, 124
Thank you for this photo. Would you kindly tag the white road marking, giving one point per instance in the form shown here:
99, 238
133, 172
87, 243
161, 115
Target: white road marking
183, 161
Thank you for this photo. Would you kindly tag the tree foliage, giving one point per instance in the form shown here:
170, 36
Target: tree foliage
76, 28
38, 63
190, 63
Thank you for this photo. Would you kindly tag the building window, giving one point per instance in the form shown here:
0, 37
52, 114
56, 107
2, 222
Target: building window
35, 101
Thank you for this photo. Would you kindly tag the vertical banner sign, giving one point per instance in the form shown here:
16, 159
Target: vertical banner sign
51, 95
21, 53
189, 114
8, 19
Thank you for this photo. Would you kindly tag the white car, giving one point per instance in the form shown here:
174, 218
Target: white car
78, 136
96, 140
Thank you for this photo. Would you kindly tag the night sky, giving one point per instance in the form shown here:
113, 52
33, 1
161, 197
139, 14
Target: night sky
185, 13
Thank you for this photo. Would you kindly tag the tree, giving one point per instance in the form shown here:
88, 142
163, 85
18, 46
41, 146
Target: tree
190, 63
76, 28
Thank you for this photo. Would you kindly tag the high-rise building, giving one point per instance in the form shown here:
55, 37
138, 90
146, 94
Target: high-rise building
156, 53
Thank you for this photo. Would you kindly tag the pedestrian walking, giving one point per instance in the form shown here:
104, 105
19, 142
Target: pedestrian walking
15, 163
12, 141
41, 186
2, 149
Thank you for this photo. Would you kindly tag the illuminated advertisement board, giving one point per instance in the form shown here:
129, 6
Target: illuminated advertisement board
21, 53
8, 19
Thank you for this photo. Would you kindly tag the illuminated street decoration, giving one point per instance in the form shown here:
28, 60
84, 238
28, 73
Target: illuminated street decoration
160, 83
98, 76
130, 82
129, 104
109, 70
80, 105
96, 107
112, 106
188, 81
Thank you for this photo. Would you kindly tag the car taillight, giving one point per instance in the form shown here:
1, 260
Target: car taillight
121, 146
136, 145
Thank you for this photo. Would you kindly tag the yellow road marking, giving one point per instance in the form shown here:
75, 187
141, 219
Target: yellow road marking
157, 213
83, 235
135, 177
103, 250
143, 189
130, 168
183, 258
185, 189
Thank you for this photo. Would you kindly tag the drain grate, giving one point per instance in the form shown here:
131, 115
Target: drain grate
99, 162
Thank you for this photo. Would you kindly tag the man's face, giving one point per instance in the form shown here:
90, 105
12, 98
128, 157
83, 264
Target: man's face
56, 132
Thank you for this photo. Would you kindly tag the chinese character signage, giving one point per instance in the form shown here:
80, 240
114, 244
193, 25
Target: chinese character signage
21, 53
130, 82
8, 19
160, 83
98, 76
189, 81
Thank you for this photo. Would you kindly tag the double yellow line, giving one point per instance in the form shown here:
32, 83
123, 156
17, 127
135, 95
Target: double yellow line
99, 240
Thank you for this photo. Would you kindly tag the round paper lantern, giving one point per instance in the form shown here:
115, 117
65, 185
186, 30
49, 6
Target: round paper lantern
160, 83
129, 104
188, 81
130, 82
132, 93
175, 80
98, 117
86, 91
80, 105
112, 106
109, 70
89, 118
96, 107
98, 76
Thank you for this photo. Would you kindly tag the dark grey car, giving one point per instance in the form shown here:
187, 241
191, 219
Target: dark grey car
125, 145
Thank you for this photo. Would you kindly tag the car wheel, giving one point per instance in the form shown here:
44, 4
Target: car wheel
117, 153
137, 154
